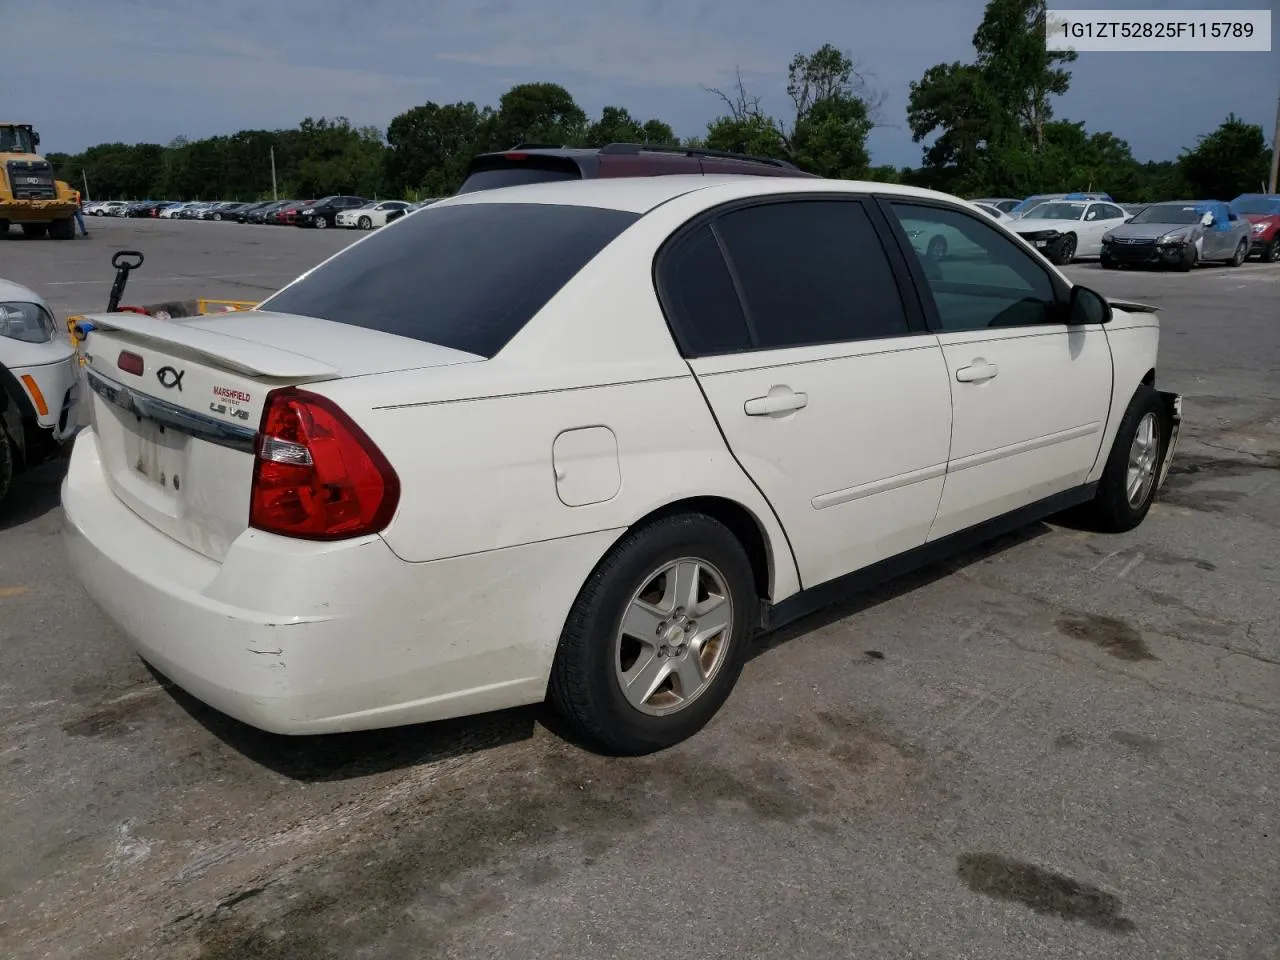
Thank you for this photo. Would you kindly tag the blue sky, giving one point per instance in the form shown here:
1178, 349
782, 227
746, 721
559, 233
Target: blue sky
87, 71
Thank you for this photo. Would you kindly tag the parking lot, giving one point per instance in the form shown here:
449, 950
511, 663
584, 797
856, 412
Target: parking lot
1061, 745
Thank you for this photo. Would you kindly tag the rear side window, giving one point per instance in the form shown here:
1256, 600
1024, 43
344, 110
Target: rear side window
812, 271
494, 172
697, 292
467, 277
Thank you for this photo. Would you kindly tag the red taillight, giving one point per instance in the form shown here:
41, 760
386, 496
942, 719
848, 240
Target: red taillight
516, 156
130, 363
316, 474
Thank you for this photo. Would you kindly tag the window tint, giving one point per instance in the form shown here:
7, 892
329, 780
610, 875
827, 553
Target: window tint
491, 173
1109, 212
467, 277
812, 271
699, 297
979, 278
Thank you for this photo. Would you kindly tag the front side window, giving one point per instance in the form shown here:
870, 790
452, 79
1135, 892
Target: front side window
979, 278
468, 276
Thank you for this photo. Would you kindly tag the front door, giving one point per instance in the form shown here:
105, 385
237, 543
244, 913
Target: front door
840, 412
1030, 394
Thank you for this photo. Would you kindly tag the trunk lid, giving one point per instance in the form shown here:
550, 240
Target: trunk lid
176, 439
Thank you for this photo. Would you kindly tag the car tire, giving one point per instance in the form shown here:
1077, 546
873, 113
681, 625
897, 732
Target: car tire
1188, 259
217, 216
1128, 484
1241, 254
321, 223
34, 231
63, 228
635, 581
1066, 251
6, 464
1271, 252
366, 223
1107, 263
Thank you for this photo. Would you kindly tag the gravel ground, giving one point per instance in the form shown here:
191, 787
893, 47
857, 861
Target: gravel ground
1062, 745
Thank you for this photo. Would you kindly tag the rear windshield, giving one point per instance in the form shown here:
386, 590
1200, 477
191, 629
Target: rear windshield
467, 277
492, 173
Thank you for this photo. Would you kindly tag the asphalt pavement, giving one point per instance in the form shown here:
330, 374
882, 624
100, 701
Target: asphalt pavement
1061, 745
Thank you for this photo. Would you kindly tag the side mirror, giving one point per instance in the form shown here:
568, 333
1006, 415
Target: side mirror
1207, 220
1087, 306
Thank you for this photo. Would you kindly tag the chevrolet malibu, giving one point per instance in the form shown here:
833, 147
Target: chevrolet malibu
583, 440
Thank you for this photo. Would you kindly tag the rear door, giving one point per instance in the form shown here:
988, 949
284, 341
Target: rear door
828, 390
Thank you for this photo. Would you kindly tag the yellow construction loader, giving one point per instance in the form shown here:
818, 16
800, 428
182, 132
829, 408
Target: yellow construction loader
29, 196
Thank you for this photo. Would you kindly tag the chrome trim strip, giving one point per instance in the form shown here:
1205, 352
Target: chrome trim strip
837, 497
1024, 446
171, 416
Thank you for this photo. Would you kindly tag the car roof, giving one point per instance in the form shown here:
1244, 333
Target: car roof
642, 194
17, 293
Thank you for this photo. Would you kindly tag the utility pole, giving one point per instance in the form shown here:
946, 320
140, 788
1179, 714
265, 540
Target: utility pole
85, 177
1275, 151
274, 193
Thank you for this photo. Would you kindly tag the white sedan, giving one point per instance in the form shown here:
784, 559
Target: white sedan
1066, 230
376, 213
588, 438
38, 380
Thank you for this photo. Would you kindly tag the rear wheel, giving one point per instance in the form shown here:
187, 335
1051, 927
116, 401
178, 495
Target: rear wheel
1128, 483
1242, 251
657, 637
4, 227
34, 230
64, 229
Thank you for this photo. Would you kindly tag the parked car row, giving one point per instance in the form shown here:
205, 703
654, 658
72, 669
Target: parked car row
1175, 233
351, 212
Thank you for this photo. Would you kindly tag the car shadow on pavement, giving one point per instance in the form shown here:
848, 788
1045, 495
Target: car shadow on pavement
897, 587
33, 494
344, 756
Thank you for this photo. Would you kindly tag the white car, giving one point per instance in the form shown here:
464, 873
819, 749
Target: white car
1067, 230
376, 213
38, 378
548, 438
173, 211
109, 208
995, 213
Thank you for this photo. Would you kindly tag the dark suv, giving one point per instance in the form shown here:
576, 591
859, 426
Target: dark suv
539, 163
324, 212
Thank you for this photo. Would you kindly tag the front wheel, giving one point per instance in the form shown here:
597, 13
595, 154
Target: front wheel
321, 223
366, 223
657, 636
1128, 484
1066, 250
6, 464
1242, 251
1188, 259
1108, 263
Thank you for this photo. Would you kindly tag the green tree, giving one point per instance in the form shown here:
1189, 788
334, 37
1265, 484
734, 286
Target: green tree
431, 145
616, 125
991, 117
539, 113
1232, 160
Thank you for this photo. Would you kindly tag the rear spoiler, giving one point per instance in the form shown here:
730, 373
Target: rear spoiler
218, 349
1130, 306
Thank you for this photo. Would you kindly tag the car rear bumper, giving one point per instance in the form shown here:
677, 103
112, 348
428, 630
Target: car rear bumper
296, 637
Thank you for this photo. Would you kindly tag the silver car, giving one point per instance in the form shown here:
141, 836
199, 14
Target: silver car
1178, 234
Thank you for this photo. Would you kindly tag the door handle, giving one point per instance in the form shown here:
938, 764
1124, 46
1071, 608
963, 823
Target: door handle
783, 401
977, 372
